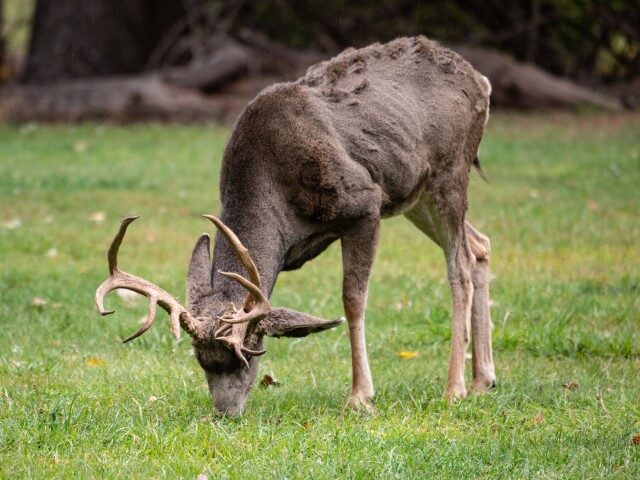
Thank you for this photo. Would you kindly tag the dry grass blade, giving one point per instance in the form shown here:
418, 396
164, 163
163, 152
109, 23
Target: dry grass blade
603, 408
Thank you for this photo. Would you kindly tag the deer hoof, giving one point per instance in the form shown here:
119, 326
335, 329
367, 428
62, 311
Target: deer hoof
455, 393
361, 404
483, 385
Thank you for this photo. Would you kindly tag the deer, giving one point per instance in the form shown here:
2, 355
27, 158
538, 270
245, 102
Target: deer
385, 130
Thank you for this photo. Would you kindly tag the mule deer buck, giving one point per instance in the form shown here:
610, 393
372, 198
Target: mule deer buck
385, 130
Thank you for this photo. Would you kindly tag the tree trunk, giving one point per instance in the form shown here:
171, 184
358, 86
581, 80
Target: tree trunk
3, 45
121, 99
81, 38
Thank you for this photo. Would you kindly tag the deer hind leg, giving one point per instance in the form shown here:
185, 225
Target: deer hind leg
358, 252
484, 376
449, 233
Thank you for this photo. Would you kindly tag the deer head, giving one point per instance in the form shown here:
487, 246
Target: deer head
227, 339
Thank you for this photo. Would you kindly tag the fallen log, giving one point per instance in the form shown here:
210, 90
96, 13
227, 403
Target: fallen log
250, 56
238, 70
227, 63
235, 72
275, 58
526, 87
112, 98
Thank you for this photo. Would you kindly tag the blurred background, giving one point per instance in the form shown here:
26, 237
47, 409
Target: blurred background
204, 59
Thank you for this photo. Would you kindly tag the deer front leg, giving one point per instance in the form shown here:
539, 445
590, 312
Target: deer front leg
484, 376
460, 263
358, 251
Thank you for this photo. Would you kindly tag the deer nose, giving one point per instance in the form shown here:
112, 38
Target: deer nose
229, 409
228, 393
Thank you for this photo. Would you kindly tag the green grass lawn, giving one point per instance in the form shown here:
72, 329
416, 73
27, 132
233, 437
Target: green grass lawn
563, 214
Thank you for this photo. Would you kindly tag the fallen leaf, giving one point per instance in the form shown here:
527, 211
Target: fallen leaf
635, 440
98, 217
80, 146
51, 253
593, 205
407, 355
571, 385
12, 224
269, 381
39, 302
28, 128
96, 362
403, 303
537, 419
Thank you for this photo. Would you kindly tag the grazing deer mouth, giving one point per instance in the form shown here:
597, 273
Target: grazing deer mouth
229, 387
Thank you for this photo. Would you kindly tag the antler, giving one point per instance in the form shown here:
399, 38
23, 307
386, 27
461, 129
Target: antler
241, 322
156, 295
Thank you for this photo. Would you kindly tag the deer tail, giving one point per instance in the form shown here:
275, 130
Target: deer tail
478, 167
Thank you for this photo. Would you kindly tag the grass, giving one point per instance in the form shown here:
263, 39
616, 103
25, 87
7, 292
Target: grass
563, 213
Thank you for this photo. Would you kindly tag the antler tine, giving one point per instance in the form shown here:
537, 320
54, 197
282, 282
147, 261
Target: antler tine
261, 307
112, 259
240, 350
112, 254
151, 316
234, 337
180, 317
241, 250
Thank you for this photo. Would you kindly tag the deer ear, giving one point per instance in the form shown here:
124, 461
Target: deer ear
282, 322
199, 273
